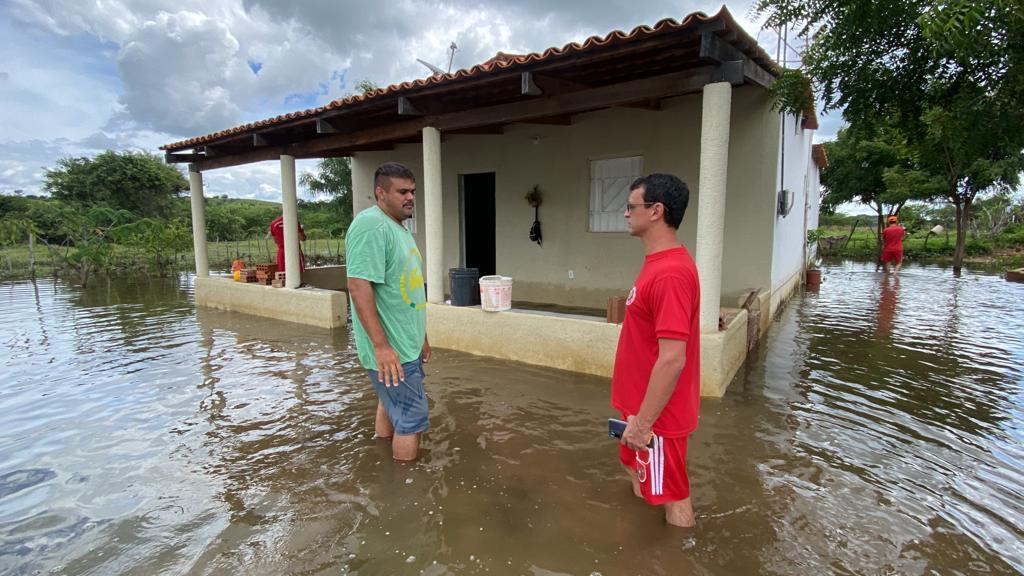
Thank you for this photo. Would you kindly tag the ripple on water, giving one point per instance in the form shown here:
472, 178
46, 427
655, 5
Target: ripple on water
878, 430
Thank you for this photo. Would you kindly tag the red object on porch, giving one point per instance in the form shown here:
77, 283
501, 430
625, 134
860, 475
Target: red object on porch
616, 310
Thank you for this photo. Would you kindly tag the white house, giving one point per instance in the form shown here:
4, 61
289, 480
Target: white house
579, 123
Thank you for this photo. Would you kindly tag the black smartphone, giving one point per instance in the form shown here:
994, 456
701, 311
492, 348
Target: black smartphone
616, 428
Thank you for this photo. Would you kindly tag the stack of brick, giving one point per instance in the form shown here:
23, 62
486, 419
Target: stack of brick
247, 275
278, 280
265, 273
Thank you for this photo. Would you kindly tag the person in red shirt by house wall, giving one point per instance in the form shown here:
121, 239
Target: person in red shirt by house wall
656, 379
277, 232
892, 244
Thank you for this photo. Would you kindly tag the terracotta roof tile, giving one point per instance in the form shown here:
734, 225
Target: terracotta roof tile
819, 155
501, 61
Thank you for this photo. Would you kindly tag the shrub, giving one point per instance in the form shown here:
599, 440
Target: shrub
978, 247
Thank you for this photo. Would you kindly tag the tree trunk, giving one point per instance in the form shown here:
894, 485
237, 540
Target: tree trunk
961, 235
879, 226
32, 253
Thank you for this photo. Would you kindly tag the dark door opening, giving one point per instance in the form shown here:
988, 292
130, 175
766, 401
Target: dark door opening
478, 222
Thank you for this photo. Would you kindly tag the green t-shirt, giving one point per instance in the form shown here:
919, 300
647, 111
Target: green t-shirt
382, 251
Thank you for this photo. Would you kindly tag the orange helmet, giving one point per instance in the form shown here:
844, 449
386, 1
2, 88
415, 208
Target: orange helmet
893, 219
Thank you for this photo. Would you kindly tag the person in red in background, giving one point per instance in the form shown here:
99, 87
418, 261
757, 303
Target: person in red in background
277, 231
656, 379
892, 244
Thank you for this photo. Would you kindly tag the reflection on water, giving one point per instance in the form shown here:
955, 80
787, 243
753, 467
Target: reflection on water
878, 431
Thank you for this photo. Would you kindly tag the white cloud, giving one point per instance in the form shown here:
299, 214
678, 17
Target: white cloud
86, 76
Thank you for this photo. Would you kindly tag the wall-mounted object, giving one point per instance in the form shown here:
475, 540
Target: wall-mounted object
785, 202
533, 198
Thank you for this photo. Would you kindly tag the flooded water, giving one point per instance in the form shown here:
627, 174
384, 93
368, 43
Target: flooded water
879, 431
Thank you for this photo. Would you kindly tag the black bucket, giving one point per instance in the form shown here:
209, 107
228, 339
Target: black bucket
465, 287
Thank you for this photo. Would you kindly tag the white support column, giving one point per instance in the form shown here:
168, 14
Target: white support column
433, 215
714, 163
195, 182
362, 185
289, 207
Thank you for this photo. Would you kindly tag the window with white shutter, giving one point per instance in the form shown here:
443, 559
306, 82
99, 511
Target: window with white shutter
410, 223
609, 191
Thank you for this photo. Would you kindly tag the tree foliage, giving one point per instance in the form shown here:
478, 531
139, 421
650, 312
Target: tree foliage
134, 181
873, 166
333, 177
948, 75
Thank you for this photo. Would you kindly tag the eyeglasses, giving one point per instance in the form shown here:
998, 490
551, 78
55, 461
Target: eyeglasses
631, 207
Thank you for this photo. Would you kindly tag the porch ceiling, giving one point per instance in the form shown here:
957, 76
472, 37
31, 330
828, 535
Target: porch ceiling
638, 69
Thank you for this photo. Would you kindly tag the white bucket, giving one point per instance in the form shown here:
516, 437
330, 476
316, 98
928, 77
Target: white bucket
496, 293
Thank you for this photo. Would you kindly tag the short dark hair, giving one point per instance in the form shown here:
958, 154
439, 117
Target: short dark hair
385, 172
667, 189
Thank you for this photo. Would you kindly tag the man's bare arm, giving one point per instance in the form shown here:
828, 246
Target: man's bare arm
389, 368
664, 376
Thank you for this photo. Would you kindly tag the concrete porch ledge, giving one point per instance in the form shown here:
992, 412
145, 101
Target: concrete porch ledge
556, 342
570, 343
312, 306
721, 355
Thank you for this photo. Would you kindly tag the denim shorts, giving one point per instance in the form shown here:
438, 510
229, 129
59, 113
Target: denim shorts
406, 404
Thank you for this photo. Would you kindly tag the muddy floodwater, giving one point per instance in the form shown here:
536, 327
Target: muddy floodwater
878, 430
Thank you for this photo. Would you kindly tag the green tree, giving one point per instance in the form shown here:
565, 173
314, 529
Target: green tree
873, 167
949, 75
976, 147
134, 181
223, 222
333, 177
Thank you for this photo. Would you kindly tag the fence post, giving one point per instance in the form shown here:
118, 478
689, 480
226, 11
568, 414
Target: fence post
32, 253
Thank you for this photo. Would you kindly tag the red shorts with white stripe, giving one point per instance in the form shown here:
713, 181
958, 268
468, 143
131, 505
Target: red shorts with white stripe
661, 469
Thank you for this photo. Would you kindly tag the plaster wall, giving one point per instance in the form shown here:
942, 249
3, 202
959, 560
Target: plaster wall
794, 162
557, 160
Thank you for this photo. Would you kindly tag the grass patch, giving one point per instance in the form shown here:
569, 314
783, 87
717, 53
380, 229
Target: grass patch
15, 261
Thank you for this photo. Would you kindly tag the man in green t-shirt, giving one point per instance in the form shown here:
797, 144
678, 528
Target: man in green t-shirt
389, 304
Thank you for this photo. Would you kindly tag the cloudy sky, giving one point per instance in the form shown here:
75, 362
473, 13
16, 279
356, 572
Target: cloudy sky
78, 77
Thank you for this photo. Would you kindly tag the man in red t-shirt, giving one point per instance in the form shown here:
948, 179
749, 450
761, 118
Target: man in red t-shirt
892, 244
277, 231
656, 380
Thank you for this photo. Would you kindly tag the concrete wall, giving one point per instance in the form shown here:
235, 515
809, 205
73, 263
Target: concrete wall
312, 306
574, 344
326, 277
750, 200
566, 343
790, 231
556, 158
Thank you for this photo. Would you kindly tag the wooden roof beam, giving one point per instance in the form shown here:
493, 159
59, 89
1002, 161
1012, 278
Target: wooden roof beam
349, 151
209, 151
260, 140
494, 129
407, 108
561, 107
651, 105
543, 85
556, 120
327, 125
714, 49
180, 158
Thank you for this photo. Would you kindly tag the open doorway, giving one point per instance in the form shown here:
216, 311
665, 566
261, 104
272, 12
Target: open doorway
478, 222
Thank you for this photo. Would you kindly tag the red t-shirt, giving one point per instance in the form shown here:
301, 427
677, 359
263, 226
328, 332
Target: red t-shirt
663, 303
277, 232
892, 238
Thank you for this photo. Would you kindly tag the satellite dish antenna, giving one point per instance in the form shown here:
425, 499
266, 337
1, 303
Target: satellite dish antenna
437, 71
451, 57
